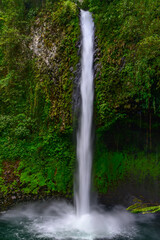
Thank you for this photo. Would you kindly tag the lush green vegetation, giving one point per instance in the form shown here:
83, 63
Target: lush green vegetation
128, 57
36, 98
127, 91
36, 87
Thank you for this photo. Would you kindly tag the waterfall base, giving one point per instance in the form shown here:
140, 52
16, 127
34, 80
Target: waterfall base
57, 220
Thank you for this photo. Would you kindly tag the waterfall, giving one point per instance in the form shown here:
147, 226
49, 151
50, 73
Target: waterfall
84, 146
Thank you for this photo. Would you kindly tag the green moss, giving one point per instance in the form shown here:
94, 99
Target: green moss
140, 207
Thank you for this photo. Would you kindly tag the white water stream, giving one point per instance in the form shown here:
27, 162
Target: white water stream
84, 149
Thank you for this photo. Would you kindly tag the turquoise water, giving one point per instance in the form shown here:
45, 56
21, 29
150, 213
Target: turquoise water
57, 220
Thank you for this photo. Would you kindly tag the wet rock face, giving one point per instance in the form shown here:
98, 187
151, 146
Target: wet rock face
76, 91
42, 46
76, 99
128, 191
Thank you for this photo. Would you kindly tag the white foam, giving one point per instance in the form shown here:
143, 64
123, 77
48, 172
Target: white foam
58, 220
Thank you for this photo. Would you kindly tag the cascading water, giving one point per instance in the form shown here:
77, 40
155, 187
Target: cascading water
84, 149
